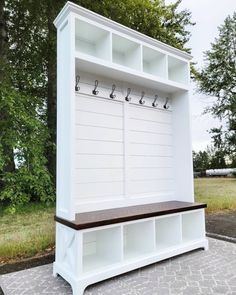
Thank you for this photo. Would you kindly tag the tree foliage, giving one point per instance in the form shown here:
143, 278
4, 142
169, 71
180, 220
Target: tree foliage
28, 88
211, 158
218, 79
201, 161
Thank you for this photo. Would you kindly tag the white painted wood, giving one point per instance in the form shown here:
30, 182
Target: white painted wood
99, 147
101, 106
150, 138
94, 118
95, 190
97, 247
99, 133
142, 149
178, 70
65, 138
168, 232
146, 174
133, 244
113, 152
92, 40
99, 175
193, 220
182, 148
154, 62
150, 115
126, 74
126, 52
98, 161
138, 239
150, 126
151, 186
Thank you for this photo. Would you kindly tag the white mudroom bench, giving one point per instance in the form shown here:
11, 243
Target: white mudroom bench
124, 156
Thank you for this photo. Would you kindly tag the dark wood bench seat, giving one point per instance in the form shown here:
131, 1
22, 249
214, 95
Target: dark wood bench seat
112, 216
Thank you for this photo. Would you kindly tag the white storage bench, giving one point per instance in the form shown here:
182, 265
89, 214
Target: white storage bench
124, 156
99, 245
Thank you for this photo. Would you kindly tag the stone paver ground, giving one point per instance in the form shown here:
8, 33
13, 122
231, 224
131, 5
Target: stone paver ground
198, 272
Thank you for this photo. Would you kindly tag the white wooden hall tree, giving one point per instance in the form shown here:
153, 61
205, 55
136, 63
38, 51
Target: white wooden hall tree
120, 152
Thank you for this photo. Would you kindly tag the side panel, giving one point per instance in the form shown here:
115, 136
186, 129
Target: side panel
65, 118
183, 167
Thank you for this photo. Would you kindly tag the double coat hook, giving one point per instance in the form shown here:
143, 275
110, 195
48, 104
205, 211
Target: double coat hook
128, 98
77, 88
112, 95
95, 91
154, 104
142, 101
165, 106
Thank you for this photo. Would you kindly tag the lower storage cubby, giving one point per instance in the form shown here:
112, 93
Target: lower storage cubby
193, 226
168, 232
101, 248
138, 239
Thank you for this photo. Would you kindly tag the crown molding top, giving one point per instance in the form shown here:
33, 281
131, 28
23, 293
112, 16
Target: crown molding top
81, 11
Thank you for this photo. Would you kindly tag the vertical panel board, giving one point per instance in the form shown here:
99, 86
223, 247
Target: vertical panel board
64, 130
121, 149
151, 154
182, 148
99, 149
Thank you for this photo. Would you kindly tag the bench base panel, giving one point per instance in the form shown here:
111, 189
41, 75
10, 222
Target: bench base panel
85, 257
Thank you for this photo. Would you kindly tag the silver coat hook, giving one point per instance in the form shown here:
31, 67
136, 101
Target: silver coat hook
142, 101
77, 78
112, 95
128, 98
95, 91
154, 104
165, 106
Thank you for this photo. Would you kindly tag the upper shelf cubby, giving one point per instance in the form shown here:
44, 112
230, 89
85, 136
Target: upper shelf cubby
108, 52
92, 40
154, 62
126, 52
177, 70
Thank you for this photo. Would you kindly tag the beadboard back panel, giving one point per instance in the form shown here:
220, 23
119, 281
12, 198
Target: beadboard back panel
123, 149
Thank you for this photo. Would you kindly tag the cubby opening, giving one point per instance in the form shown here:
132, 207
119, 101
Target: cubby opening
126, 52
193, 227
154, 62
138, 239
101, 248
168, 232
92, 40
177, 70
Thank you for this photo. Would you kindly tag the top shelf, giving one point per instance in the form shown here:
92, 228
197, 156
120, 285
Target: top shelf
94, 43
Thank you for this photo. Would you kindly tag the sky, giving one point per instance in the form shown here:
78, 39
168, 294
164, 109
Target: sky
208, 15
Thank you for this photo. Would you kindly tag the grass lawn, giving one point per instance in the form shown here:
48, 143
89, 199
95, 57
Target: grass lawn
31, 230
219, 193
26, 233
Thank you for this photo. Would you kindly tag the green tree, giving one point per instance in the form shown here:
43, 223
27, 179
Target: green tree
7, 163
31, 57
218, 79
23, 130
201, 160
